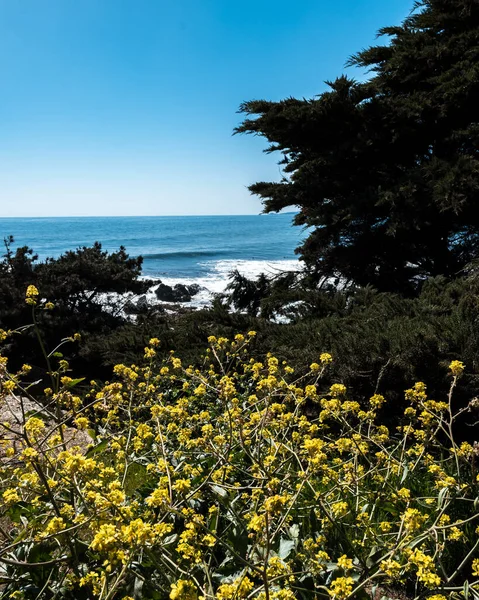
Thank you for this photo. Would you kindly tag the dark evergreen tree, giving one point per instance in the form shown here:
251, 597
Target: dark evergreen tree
74, 283
386, 172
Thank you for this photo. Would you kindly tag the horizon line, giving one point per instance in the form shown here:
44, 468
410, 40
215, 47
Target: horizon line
142, 216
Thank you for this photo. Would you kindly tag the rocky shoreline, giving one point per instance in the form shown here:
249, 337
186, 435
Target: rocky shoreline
163, 297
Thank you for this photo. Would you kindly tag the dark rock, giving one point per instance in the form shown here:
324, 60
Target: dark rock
193, 289
130, 307
165, 293
178, 293
142, 304
182, 293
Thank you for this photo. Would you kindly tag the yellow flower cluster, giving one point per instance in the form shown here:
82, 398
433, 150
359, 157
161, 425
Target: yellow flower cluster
237, 479
31, 295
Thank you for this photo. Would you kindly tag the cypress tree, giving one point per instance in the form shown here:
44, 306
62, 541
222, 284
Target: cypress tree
386, 172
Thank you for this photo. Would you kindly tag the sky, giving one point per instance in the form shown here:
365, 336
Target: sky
127, 107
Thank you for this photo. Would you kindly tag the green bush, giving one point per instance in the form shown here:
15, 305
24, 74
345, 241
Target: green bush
213, 482
73, 283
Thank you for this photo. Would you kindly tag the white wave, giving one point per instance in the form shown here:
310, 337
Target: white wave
253, 268
215, 281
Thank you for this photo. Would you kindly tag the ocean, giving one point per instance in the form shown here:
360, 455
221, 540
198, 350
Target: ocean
196, 249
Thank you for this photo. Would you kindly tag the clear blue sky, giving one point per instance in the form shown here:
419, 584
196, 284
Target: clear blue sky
126, 107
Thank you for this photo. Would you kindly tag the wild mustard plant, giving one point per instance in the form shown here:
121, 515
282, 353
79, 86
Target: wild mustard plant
233, 480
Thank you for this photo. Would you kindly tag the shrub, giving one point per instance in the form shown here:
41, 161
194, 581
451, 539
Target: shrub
213, 482
384, 341
76, 283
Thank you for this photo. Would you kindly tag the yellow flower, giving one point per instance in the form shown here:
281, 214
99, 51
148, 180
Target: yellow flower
29, 454
183, 589
92, 579
240, 588
325, 358
11, 496
182, 485
82, 423
277, 567
149, 352
274, 504
417, 392
32, 292
9, 385
455, 534
209, 540
475, 567
341, 587
456, 367
377, 401
138, 533
426, 573
413, 519
105, 538
55, 525
337, 389
391, 567
339, 509
404, 494
257, 523
34, 427
345, 563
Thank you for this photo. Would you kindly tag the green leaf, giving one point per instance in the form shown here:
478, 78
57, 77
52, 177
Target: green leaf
441, 497
138, 587
135, 477
91, 433
74, 382
219, 490
18, 510
170, 539
373, 556
97, 449
213, 524
294, 531
285, 547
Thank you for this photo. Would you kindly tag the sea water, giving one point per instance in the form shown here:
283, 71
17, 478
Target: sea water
193, 249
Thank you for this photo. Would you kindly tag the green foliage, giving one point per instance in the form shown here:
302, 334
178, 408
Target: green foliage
218, 483
246, 294
384, 340
73, 283
386, 172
